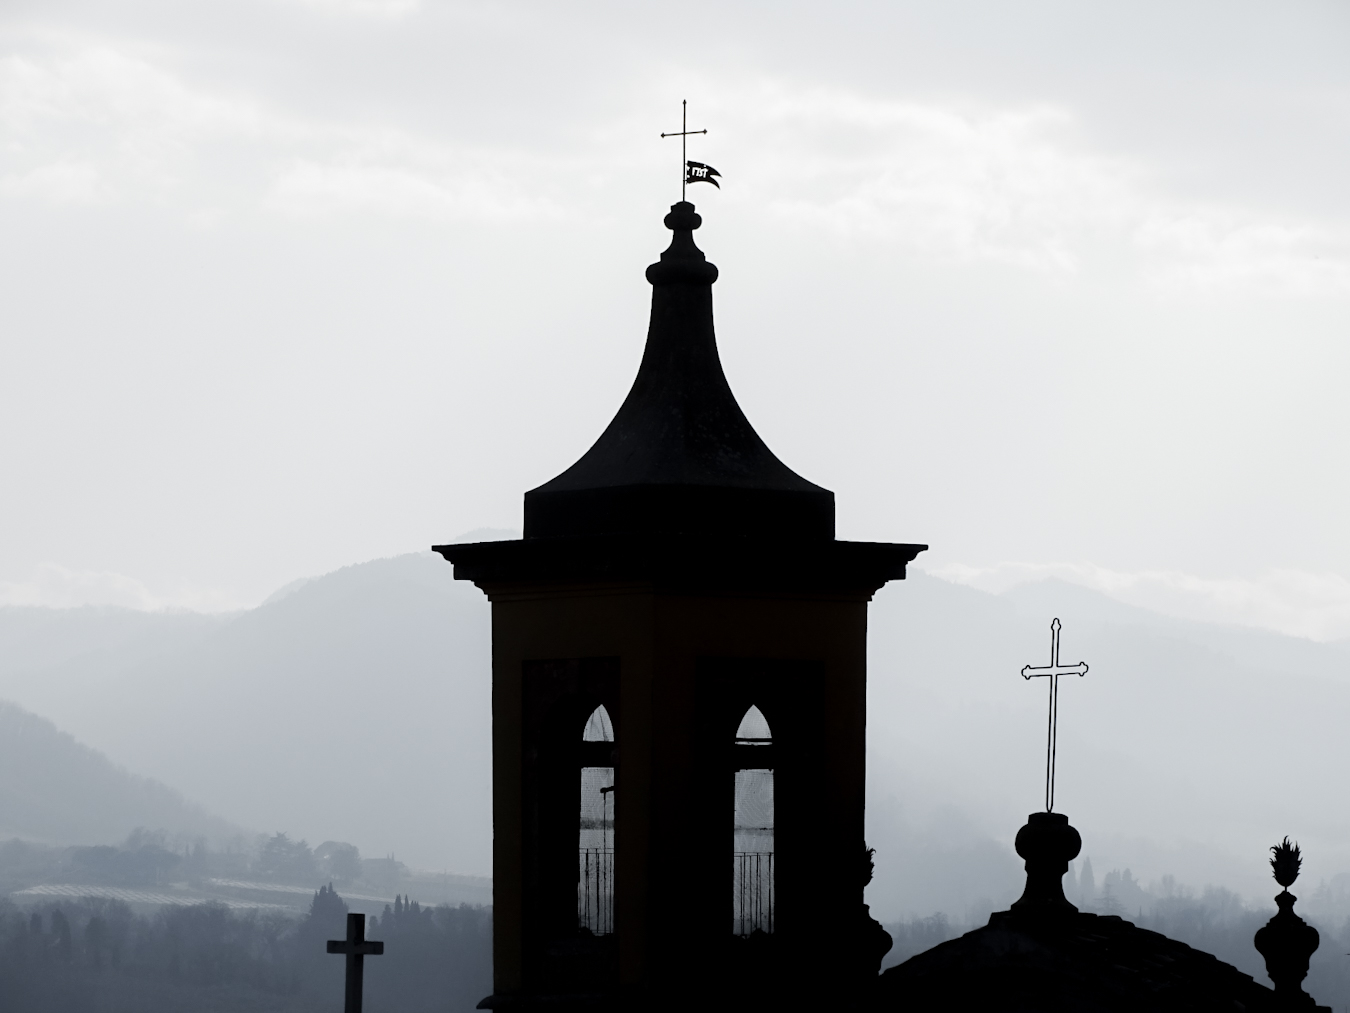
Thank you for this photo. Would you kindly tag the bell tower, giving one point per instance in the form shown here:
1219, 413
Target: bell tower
679, 707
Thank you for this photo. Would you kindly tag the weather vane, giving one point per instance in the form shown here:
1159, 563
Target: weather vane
691, 172
1053, 670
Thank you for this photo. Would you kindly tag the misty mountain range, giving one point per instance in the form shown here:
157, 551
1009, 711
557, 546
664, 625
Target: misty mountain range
355, 706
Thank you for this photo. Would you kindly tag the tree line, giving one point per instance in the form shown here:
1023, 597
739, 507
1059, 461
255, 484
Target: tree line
149, 858
95, 954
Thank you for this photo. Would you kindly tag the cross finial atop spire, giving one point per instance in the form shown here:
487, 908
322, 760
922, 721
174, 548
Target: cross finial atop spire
691, 172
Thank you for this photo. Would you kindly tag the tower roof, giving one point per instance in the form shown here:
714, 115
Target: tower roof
680, 457
680, 489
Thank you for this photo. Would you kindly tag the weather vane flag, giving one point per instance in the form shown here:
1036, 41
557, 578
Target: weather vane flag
691, 172
1053, 671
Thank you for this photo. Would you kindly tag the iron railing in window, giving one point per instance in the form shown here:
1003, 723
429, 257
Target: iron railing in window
595, 890
752, 909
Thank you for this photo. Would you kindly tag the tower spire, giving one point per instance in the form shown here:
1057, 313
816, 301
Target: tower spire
680, 457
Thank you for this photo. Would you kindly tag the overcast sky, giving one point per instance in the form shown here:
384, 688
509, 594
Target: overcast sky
1057, 288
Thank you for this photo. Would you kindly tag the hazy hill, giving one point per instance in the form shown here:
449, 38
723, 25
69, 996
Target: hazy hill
52, 789
356, 707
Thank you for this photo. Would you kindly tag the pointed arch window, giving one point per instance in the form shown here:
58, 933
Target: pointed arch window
595, 868
753, 827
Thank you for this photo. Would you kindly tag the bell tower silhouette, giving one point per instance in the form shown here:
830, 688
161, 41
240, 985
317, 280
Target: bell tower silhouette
679, 707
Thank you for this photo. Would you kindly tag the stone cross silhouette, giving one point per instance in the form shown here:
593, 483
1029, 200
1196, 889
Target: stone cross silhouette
683, 134
356, 948
1054, 670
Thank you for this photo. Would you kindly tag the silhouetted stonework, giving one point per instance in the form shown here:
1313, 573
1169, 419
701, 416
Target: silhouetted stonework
1287, 942
1045, 955
679, 574
1077, 962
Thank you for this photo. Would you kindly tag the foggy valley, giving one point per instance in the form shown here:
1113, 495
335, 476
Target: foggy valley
353, 711
937, 507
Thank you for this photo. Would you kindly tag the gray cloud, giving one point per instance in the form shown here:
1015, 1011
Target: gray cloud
298, 283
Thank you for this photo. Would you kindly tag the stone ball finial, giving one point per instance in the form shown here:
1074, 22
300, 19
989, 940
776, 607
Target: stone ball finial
682, 262
1048, 844
683, 217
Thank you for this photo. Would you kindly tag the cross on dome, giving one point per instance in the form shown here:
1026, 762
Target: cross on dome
1053, 671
